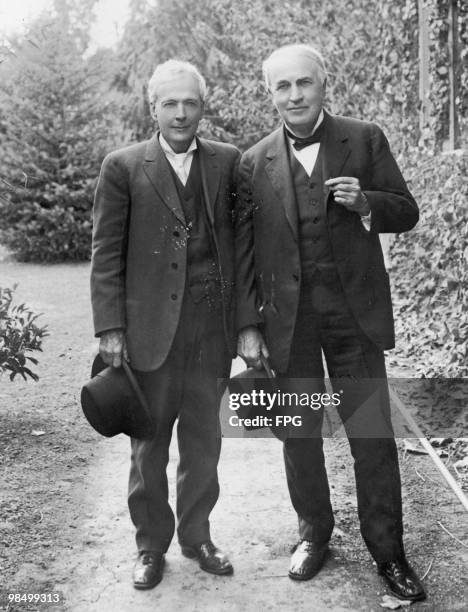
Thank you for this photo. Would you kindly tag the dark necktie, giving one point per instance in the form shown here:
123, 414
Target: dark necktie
301, 143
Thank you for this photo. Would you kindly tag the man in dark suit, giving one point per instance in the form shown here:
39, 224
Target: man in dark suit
314, 196
162, 295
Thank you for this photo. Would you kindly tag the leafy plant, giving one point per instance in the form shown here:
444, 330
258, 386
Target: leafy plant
19, 335
430, 268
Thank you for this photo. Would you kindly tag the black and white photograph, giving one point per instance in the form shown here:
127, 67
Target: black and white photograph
233, 305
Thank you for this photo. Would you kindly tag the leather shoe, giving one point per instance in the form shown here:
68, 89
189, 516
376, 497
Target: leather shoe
402, 580
210, 558
148, 569
307, 559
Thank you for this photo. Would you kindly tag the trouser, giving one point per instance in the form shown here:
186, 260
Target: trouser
185, 387
325, 322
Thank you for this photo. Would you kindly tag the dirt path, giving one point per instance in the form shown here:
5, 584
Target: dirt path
64, 524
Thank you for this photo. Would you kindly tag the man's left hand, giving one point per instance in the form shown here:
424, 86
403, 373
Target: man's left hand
347, 192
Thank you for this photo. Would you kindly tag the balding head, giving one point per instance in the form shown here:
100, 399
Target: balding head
296, 78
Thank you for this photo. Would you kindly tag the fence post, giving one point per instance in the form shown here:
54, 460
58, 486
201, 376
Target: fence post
423, 39
454, 71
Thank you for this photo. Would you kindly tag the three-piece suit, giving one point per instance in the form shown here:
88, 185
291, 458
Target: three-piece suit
311, 277
163, 271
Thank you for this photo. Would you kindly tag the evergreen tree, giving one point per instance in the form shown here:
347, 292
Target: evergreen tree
55, 127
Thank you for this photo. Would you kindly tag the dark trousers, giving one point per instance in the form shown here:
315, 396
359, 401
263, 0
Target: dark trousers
185, 387
324, 322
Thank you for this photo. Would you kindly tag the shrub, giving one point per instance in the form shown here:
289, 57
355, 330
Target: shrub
19, 335
35, 233
430, 271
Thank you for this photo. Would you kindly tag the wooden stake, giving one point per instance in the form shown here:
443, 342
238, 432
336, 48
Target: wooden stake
424, 83
454, 74
428, 446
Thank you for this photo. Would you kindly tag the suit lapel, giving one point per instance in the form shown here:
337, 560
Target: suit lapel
335, 152
156, 168
210, 176
335, 155
278, 170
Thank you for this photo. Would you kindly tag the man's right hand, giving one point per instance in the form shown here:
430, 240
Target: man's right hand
112, 347
250, 345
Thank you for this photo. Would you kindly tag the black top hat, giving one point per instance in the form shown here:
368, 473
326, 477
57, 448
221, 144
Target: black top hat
113, 402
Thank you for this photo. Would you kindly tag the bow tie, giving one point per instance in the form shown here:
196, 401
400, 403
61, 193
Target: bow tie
301, 143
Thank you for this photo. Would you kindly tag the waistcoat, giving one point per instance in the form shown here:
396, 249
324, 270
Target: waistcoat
202, 269
314, 239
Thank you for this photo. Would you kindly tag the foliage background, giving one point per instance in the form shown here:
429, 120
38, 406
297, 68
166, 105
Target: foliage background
62, 107
55, 127
372, 63
430, 271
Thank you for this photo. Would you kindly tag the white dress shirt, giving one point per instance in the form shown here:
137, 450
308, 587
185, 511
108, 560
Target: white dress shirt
181, 162
308, 155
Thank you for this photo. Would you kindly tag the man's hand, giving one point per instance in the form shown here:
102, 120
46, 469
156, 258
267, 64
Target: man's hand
250, 345
113, 347
347, 192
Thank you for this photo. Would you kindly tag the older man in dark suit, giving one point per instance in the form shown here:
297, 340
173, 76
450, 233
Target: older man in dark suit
162, 284
315, 194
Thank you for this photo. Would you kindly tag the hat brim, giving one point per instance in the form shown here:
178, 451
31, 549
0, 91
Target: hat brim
113, 402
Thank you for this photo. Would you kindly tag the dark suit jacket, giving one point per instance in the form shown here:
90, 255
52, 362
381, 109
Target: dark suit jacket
267, 250
139, 245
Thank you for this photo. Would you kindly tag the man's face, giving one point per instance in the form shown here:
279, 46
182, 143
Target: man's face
297, 90
178, 109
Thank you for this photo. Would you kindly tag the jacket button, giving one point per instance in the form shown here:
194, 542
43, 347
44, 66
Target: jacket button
173, 296
314, 202
316, 220
176, 234
295, 277
174, 265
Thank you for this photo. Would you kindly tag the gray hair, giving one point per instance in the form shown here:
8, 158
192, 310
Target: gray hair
301, 49
170, 68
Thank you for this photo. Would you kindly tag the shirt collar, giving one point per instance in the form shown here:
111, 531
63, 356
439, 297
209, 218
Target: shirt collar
320, 119
168, 150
